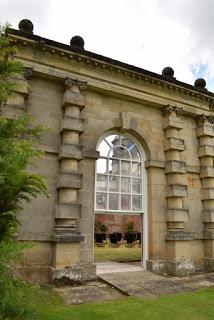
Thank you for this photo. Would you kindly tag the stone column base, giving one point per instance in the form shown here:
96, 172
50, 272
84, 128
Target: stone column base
76, 274
181, 268
209, 264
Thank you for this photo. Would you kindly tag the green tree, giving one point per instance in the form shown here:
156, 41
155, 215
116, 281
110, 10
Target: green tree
18, 144
19, 139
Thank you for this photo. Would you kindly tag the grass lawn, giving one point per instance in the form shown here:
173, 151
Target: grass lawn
192, 306
120, 254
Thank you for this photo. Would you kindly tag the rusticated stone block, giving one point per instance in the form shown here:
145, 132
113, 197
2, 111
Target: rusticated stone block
71, 151
176, 190
207, 194
208, 215
73, 98
209, 264
205, 130
205, 151
180, 215
66, 180
74, 124
174, 144
207, 172
68, 211
175, 166
172, 122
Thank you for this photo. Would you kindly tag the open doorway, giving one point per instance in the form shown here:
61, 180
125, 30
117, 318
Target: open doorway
120, 228
118, 238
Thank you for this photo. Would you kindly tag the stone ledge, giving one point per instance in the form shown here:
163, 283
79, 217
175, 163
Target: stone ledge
72, 180
73, 124
174, 166
177, 215
206, 172
91, 153
71, 151
176, 190
155, 164
77, 274
68, 211
206, 151
73, 98
64, 237
179, 236
205, 130
208, 194
174, 144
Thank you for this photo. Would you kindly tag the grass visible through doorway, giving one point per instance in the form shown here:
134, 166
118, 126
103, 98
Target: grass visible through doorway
120, 254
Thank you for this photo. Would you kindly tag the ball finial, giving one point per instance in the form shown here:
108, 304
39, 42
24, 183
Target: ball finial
26, 25
200, 83
77, 42
168, 72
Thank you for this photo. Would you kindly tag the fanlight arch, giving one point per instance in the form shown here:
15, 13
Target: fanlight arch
119, 175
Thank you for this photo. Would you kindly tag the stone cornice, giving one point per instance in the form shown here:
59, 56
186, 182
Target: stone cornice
101, 62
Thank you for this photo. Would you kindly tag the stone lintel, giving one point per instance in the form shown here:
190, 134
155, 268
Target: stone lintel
205, 130
174, 144
68, 237
91, 153
208, 215
179, 235
208, 194
68, 211
177, 215
176, 190
72, 180
172, 122
73, 124
175, 166
71, 98
206, 172
206, 151
71, 151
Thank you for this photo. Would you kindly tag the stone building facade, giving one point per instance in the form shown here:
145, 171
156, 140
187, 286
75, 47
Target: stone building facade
82, 97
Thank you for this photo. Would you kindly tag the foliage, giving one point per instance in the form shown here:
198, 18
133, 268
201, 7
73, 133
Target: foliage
129, 227
17, 147
9, 68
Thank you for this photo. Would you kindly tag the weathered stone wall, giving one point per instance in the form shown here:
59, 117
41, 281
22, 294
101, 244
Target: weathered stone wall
80, 99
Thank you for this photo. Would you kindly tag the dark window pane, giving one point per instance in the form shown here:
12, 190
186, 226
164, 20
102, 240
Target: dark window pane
120, 152
125, 202
113, 201
125, 168
126, 185
114, 183
114, 167
101, 200
137, 203
136, 185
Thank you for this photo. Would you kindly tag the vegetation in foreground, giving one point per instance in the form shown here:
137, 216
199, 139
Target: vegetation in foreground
193, 306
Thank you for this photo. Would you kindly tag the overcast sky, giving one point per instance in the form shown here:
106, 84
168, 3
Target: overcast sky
150, 34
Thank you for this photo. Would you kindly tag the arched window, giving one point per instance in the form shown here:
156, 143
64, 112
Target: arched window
119, 183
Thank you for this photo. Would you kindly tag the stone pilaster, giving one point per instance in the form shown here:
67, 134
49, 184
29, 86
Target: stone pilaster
205, 134
17, 104
67, 235
175, 170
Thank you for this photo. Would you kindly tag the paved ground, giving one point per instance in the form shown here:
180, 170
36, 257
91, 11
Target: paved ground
119, 280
